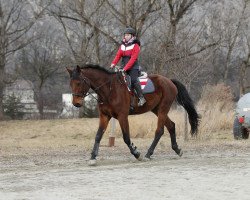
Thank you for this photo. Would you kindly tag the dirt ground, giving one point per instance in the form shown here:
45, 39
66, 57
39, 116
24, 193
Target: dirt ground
208, 170
48, 160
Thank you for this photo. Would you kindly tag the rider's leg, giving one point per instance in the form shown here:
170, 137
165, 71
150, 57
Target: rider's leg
134, 73
138, 89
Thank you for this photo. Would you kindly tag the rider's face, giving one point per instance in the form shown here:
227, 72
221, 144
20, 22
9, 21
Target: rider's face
127, 36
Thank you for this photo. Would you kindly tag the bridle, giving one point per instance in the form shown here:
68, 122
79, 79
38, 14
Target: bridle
85, 80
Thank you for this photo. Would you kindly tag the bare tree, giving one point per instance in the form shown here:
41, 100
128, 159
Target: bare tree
81, 32
177, 9
16, 19
244, 81
232, 39
41, 61
180, 37
98, 31
134, 13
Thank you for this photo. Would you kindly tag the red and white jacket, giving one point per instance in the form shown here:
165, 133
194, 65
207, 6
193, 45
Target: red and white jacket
129, 54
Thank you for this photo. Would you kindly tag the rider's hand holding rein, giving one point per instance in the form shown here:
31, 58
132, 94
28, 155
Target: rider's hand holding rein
115, 68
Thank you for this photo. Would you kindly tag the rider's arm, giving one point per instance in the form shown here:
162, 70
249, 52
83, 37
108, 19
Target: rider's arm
134, 56
117, 57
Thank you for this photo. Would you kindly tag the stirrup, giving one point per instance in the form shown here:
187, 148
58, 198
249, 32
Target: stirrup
141, 102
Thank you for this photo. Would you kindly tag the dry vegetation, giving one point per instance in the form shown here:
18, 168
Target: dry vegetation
215, 107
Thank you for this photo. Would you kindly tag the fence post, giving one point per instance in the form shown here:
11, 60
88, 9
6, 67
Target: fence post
112, 133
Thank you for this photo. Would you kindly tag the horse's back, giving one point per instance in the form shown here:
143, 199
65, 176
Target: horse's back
163, 83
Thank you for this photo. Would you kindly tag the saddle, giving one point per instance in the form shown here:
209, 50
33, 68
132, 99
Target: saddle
147, 85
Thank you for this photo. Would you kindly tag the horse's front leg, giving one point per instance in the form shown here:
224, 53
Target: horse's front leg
103, 123
123, 120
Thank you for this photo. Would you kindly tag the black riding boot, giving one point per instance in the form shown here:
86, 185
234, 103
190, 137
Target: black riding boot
138, 89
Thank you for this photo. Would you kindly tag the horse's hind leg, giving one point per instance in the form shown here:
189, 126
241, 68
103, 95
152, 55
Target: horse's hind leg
123, 120
103, 123
171, 129
163, 120
158, 133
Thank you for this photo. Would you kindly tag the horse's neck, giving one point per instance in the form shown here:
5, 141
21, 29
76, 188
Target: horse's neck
99, 81
96, 77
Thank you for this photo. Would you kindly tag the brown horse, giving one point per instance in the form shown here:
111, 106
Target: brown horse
114, 101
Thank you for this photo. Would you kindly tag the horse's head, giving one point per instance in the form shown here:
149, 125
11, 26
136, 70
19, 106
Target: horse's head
79, 84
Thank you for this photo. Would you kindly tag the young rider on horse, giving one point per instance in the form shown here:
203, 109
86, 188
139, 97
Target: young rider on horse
129, 52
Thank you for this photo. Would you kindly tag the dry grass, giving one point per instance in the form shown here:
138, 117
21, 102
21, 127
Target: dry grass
37, 135
216, 107
74, 135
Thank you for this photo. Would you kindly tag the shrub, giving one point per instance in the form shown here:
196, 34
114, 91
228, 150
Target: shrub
13, 107
218, 97
216, 107
89, 109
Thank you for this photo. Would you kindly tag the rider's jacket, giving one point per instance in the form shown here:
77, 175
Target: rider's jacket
129, 53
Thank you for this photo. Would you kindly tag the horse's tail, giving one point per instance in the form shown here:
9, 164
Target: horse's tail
185, 100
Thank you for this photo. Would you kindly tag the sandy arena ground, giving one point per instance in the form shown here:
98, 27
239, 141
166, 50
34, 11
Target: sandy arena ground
208, 170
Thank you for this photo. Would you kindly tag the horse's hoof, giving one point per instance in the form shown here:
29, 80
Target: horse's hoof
180, 153
92, 162
140, 158
146, 159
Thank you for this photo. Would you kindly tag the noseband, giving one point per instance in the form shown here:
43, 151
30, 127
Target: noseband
83, 80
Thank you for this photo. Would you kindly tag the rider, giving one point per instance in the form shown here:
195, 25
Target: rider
129, 52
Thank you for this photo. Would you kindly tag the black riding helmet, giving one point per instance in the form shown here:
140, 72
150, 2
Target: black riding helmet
130, 30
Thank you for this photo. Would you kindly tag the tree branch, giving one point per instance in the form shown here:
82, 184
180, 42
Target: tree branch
121, 18
195, 52
91, 24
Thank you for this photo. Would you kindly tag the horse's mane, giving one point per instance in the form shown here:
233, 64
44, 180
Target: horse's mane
97, 67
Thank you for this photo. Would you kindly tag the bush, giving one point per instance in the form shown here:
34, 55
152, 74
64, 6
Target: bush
89, 108
13, 107
217, 97
216, 107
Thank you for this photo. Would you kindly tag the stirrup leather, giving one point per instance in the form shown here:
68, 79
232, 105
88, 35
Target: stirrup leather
142, 101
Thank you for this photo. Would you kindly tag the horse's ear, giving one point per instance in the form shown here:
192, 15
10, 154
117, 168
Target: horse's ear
70, 71
78, 68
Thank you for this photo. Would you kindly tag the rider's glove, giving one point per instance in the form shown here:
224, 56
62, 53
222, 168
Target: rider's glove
112, 65
122, 71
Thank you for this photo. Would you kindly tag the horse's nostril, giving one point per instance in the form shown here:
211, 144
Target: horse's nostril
77, 105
